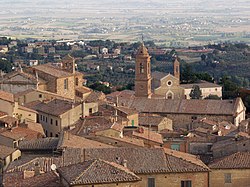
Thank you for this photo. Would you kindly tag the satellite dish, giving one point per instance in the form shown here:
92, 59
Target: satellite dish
53, 167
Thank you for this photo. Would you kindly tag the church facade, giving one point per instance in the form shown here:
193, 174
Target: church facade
159, 84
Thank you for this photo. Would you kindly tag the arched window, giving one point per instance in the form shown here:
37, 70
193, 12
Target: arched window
169, 95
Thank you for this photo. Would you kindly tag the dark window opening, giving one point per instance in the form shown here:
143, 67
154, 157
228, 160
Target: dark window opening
186, 183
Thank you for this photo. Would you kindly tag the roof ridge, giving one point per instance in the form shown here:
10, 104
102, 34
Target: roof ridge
93, 162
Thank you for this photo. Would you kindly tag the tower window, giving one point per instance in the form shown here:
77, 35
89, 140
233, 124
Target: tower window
65, 84
77, 81
141, 68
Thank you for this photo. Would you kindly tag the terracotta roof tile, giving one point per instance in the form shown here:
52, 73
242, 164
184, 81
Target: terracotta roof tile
55, 107
52, 70
49, 179
6, 96
96, 172
240, 160
145, 134
202, 84
193, 106
39, 144
69, 140
5, 151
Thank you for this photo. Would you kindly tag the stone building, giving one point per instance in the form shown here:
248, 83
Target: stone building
154, 167
183, 112
60, 78
142, 73
232, 170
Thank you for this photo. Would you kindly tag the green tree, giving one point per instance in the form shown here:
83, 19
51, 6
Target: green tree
214, 97
195, 92
5, 65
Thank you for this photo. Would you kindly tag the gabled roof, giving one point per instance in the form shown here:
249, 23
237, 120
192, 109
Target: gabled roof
67, 139
182, 106
39, 144
26, 75
96, 172
6, 96
52, 70
240, 160
6, 151
55, 107
49, 179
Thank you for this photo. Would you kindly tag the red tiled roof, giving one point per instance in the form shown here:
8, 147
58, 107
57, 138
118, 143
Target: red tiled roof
96, 172
240, 160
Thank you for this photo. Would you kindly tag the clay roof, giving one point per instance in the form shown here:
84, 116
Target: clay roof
2, 114
185, 157
126, 110
8, 119
6, 96
150, 161
228, 142
6, 151
145, 134
142, 50
95, 97
182, 106
150, 120
52, 70
158, 75
96, 172
83, 89
127, 94
240, 160
21, 133
202, 84
69, 140
55, 107
90, 125
39, 144
26, 75
49, 179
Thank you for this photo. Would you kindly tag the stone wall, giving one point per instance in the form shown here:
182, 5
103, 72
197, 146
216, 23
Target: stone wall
199, 179
239, 177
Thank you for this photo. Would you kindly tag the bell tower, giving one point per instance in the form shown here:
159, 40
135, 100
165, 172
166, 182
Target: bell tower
177, 68
142, 73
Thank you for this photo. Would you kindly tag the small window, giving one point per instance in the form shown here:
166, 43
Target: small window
90, 111
175, 147
227, 177
56, 123
51, 121
40, 95
77, 81
186, 183
66, 84
46, 119
169, 83
51, 134
151, 182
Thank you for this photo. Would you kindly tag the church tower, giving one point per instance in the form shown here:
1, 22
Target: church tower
68, 64
177, 68
142, 73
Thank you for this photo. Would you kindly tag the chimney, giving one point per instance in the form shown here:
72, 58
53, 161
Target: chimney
116, 102
116, 115
124, 163
37, 169
28, 174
